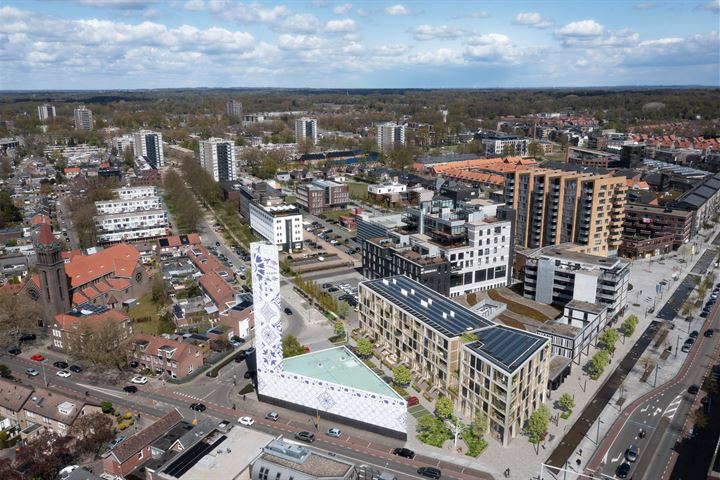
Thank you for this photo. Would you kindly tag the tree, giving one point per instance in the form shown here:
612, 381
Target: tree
608, 339
537, 424
444, 407
700, 419
17, 314
45, 455
339, 327
364, 348
629, 325
104, 344
566, 402
597, 364
292, 346
344, 310
508, 150
158, 291
401, 375
106, 407
92, 432
535, 150
5, 372
480, 424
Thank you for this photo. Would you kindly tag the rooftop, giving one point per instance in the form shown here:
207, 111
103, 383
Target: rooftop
435, 310
311, 463
565, 252
508, 347
338, 365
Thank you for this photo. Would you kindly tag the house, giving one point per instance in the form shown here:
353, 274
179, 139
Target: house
239, 318
177, 243
169, 357
77, 327
12, 398
46, 410
136, 450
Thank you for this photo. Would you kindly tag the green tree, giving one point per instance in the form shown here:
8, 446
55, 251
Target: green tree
292, 346
5, 372
566, 402
158, 291
106, 407
608, 339
629, 325
401, 375
480, 424
508, 150
537, 424
339, 327
535, 150
444, 407
364, 348
597, 364
700, 419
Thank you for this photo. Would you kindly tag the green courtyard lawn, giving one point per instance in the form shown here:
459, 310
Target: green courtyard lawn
335, 214
358, 190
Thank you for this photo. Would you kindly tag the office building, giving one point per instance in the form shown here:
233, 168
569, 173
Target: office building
649, 230
389, 136
456, 350
556, 206
148, 145
497, 144
217, 156
306, 130
321, 195
558, 274
234, 108
278, 223
46, 112
280, 459
83, 118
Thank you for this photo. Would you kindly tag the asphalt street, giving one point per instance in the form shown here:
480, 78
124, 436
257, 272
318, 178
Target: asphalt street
672, 308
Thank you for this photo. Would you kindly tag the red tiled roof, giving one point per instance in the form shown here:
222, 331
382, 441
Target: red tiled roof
120, 260
217, 289
78, 298
155, 342
130, 447
40, 218
72, 170
102, 287
66, 321
71, 254
174, 240
90, 292
45, 236
118, 283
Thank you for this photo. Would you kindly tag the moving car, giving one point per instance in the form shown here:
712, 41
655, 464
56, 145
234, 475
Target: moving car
693, 389
139, 380
709, 333
288, 311
37, 357
430, 472
63, 373
305, 436
61, 364
32, 372
404, 452
130, 389
623, 470
272, 416
334, 432
247, 421
631, 454
198, 407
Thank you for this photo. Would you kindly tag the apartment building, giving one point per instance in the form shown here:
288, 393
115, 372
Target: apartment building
495, 369
392, 191
558, 274
555, 206
234, 108
110, 207
46, 112
217, 156
576, 330
83, 118
306, 130
12, 398
170, 358
278, 223
649, 230
132, 193
320, 195
73, 330
389, 136
586, 157
369, 226
148, 144
137, 213
703, 200
497, 144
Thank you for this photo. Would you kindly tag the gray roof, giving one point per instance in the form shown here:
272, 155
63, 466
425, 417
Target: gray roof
508, 347
437, 311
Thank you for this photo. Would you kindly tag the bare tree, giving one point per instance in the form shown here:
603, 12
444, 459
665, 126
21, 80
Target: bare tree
18, 313
92, 432
103, 345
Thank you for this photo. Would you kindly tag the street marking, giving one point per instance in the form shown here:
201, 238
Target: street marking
643, 410
616, 458
657, 410
672, 407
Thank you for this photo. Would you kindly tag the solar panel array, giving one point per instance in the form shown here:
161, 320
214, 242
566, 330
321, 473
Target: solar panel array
507, 346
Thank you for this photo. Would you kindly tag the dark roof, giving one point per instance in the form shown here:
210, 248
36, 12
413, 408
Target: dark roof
457, 157
437, 311
506, 346
145, 437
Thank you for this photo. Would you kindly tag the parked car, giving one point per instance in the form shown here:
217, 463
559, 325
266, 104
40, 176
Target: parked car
404, 452
37, 357
412, 401
623, 470
334, 432
430, 472
288, 311
272, 416
247, 421
709, 333
134, 364
305, 436
27, 337
116, 441
130, 389
31, 372
75, 368
63, 373
198, 407
14, 351
693, 389
139, 380
631, 454
694, 334
61, 364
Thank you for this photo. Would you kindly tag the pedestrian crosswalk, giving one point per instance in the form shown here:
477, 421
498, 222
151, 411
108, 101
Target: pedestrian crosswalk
672, 407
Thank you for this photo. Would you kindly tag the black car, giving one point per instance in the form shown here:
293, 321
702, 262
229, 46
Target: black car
288, 311
404, 452
305, 436
239, 357
198, 407
130, 389
333, 289
134, 364
693, 389
709, 333
694, 334
249, 374
430, 472
27, 337
623, 470
217, 244
14, 351
75, 368
60, 364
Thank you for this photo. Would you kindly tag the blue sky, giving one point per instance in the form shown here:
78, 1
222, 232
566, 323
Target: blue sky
106, 44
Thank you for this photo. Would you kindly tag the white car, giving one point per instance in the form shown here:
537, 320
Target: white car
140, 380
247, 421
63, 373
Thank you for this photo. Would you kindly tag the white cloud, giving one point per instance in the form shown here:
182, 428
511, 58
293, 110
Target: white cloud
353, 48
644, 6
345, 25
397, 10
675, 51
118, 4
441, 56
299, 42
299, 22
713, 6
476, 14
392, 50
428, 32
492, 48
615, 38
582, 28
488, 39
532, 19
194, 5
252, 12
342, 9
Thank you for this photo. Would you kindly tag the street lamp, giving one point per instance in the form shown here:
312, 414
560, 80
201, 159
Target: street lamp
657, 367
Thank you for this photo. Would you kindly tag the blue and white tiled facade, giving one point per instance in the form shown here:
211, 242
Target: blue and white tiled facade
359, 405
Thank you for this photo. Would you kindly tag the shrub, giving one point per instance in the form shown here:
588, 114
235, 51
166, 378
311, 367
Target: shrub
476, 444
122, 426
106, 407
433, 431
566, 414
128, 415
401, 375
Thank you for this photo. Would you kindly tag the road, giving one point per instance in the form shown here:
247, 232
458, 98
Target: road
662, 413
155, 400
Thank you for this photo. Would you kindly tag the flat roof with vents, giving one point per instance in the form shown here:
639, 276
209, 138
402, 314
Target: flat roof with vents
437, 311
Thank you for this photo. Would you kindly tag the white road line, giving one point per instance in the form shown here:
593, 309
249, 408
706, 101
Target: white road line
616, 458
645, 409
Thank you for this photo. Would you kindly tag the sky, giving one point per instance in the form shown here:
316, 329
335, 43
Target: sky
132, 44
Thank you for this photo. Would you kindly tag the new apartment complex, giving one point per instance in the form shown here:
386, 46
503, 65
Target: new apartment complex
148, 144
498, 370
137, 213
649, 230
217, 156
320, 195
234, 108
559, 274
555, 206
46, 112
83, 118
500, 144
389, 136
306, 130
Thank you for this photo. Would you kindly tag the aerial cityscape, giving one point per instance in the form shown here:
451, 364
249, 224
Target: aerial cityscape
329, 240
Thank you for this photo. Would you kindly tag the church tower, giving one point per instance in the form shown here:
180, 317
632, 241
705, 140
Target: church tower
54, 289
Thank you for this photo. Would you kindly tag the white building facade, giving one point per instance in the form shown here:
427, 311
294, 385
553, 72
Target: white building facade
46, 112
217, 156
148, 144
389, 136
83, 118
137, 213
280, 225
306, 130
